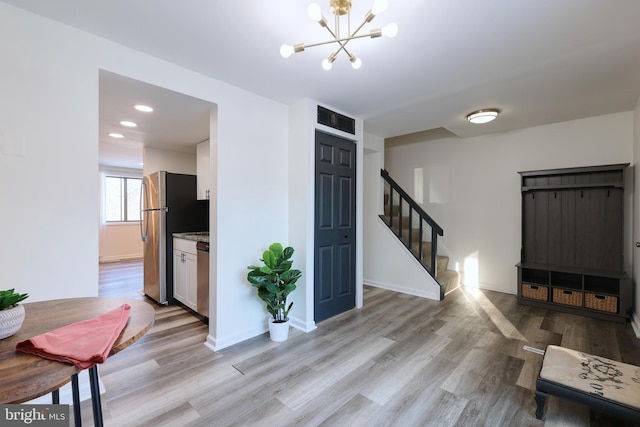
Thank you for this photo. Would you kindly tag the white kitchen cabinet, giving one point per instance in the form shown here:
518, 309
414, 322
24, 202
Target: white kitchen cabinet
185, 285
203, 172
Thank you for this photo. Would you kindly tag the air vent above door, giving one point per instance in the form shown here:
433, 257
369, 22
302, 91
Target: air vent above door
335, 120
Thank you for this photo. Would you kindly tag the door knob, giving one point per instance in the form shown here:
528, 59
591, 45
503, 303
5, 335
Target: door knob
637, 244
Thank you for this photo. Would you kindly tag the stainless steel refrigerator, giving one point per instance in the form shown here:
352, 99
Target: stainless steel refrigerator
168, 204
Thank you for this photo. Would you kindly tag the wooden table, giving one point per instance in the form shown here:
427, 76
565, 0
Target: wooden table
24, 376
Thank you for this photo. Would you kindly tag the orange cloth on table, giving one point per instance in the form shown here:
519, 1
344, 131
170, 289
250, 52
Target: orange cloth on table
82, 344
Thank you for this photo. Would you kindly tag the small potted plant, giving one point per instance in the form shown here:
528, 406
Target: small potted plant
11, 313
275, 280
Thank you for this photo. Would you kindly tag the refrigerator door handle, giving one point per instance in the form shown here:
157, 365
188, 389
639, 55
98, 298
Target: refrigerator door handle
143, 212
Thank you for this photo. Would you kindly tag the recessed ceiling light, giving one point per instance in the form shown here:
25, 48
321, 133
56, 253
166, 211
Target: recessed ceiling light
143, 108
483, 116
128, 124
116, 135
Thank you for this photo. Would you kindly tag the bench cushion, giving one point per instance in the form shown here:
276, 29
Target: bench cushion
615, 381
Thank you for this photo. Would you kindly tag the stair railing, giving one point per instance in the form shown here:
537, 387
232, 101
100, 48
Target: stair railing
415, 214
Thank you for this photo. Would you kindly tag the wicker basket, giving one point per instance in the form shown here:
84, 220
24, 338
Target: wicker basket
606, 303
567, 297
536, 292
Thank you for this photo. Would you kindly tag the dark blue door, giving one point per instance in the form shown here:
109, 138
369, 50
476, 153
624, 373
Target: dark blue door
335, 216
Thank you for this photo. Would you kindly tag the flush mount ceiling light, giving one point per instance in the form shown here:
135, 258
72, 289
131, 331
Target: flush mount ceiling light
128, 124
116, 135
143, 108
483, 116
340, 8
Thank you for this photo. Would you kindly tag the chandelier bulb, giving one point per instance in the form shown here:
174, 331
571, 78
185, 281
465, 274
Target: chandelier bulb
379, 6
356, 63
328, 63
286, 50
390, 30
314, 12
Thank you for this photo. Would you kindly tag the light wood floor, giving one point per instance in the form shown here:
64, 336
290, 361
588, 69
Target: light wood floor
399, 361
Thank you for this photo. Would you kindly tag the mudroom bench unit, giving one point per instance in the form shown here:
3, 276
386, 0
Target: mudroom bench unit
572, 256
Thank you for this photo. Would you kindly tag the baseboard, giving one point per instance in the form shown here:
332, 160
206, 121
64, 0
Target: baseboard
486, 287
66, 396
301, 325
408, 291
210, 343
116, 258
635, 324
219, 343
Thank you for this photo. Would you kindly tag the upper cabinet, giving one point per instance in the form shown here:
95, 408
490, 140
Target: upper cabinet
203, 171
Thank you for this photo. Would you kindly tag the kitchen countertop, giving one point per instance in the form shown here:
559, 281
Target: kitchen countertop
197, 236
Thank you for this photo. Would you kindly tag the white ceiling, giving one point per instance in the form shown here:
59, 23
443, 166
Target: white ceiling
540, 61
177, 123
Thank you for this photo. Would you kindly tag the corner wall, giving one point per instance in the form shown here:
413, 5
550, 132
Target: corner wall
472, 187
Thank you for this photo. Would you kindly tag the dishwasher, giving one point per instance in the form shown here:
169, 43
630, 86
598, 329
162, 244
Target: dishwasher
202, 278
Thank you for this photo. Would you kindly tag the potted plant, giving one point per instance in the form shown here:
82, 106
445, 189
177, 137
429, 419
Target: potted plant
275, 280
11, 313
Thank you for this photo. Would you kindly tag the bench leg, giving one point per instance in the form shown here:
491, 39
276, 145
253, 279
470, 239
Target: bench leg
541, 398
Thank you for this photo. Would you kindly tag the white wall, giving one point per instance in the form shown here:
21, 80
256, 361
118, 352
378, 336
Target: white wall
49, 166
387, 263
120, 242
252, 204
472, 186
171, 161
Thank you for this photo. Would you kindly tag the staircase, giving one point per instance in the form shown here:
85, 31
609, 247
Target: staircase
412, 226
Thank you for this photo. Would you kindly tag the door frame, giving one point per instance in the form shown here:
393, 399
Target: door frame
301, 139
358, 140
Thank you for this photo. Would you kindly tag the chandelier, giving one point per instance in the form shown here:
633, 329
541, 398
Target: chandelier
340, 8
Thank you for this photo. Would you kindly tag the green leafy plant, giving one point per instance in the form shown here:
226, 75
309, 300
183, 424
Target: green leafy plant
275, 280
9, 298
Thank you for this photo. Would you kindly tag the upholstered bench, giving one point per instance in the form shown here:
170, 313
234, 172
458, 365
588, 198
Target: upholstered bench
602, 384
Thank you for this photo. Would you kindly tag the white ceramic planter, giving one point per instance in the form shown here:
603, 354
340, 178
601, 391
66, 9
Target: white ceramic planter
279, 331
11, 320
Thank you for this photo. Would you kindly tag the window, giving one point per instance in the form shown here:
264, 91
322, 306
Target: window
122, 199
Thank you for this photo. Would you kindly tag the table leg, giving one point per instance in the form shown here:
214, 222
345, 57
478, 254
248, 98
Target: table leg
55, 397
95, 396
75, 393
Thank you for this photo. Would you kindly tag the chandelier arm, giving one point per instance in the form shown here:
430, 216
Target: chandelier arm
339, 41
342, 47
368, 18
332, 33
358, 29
